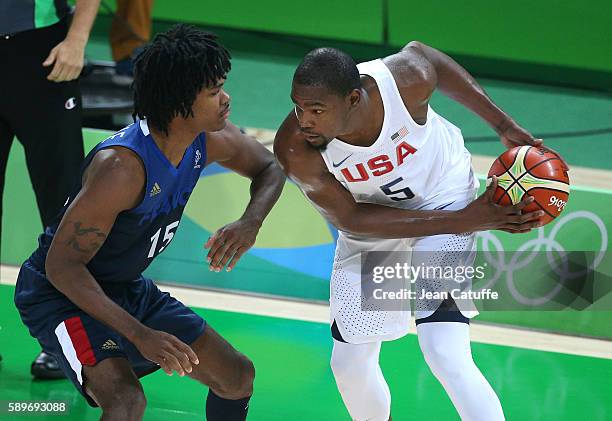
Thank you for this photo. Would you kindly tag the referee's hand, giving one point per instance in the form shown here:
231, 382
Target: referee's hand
68, 57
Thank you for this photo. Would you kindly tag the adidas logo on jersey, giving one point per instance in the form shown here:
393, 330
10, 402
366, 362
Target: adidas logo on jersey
155, 190
110, 344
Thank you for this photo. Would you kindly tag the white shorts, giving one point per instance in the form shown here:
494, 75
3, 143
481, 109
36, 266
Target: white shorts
357, 324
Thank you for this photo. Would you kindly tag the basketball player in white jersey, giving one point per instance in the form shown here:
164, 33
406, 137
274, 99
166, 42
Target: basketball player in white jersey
376, 160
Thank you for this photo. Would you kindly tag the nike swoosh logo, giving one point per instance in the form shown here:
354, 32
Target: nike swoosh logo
341, 162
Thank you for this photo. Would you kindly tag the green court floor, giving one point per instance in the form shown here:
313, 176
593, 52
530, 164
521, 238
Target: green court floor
294, 381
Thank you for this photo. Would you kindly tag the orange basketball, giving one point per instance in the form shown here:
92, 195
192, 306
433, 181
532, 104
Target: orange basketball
533, 171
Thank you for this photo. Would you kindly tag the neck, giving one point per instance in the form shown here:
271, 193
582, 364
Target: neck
365, 122
173, 145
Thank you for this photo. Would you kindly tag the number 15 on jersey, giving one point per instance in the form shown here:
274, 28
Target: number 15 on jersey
168, 235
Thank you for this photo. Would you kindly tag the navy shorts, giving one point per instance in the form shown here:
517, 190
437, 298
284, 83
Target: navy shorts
76, 339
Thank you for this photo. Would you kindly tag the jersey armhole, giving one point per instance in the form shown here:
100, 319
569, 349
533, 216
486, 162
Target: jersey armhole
395, 92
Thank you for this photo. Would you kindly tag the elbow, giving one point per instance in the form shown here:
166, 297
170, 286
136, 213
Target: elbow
278, 176
352, 228
274, 177
349, 223
55, 269
414, 44
272, 172
52, 269
277, 171
342, 225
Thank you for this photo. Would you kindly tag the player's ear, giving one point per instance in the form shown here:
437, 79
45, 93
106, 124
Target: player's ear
354, 97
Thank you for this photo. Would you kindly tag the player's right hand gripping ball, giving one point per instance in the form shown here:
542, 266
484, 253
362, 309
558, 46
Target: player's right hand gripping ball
533, 171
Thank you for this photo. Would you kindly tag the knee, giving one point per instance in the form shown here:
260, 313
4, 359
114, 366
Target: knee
445, 363
360, 382
124, 402
240, 385
247, 377
350, 371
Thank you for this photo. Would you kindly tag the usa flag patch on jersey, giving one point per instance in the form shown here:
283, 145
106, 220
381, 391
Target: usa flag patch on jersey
400, 134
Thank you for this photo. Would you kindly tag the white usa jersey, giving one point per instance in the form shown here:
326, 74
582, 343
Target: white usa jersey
409, 166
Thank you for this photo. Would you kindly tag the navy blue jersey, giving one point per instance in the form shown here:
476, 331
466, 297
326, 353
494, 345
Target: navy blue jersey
139, 234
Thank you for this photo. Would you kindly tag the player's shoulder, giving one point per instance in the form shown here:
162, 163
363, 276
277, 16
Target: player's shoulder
411, 68
114, 179
296, 158
287, 134
289, 143
116, 166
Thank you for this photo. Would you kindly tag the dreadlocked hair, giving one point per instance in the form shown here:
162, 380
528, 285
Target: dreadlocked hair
171, 71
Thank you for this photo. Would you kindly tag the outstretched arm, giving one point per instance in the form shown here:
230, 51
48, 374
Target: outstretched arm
245, 155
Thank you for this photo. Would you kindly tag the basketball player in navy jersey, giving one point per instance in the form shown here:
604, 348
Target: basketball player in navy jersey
381, 165
81, 293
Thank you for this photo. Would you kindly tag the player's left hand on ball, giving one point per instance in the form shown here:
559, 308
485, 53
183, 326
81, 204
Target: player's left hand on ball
230, 242
514, 135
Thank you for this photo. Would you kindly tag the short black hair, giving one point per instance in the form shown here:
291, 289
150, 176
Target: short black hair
329, 68
171, 71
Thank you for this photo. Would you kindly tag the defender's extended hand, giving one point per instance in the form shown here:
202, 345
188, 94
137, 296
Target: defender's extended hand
231, 242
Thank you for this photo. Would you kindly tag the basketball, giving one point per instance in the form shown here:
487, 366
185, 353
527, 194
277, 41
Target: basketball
533, 171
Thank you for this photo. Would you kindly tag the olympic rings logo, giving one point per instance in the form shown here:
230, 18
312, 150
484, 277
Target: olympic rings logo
493, 252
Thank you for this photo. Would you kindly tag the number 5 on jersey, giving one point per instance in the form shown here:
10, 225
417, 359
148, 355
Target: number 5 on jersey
399, 194
168, 235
